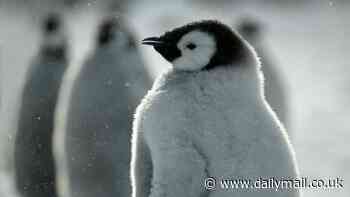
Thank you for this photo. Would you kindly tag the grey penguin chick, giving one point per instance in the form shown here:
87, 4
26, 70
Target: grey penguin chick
105, 94
207, 117
274, 83
34, 162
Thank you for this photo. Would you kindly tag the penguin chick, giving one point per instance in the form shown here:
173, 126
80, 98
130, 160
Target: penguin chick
34, 164
98, 126
207, 117
274, 83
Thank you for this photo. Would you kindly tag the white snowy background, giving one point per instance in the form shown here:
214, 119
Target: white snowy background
307, 39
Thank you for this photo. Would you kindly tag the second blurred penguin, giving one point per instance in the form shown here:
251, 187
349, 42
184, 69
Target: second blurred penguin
98, 125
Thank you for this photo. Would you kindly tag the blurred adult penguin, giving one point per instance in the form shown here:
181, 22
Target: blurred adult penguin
34, 164
275, 86
98, 124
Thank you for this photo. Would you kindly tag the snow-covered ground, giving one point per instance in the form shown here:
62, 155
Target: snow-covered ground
308, 41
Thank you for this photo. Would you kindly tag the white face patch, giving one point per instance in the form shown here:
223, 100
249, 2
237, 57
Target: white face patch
54, 38
121, 38
197, 48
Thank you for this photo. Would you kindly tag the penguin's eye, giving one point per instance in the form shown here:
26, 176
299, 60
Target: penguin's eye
191, 46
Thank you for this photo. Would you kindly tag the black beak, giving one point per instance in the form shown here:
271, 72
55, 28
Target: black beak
166, 48
153, 41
